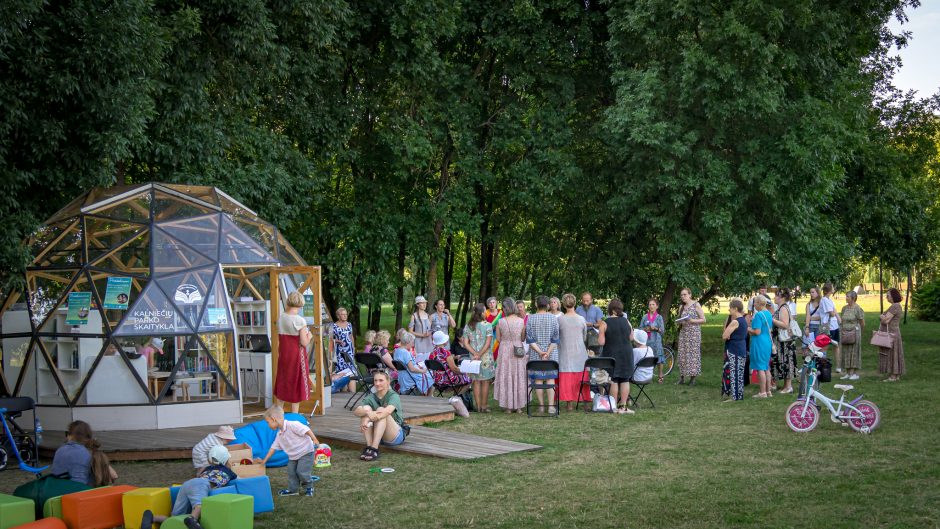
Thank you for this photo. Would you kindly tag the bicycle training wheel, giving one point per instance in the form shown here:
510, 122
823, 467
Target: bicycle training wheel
670, 362
27, 449
802, 420
3, 457
870, 417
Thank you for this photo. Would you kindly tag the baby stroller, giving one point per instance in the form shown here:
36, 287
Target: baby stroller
16, 444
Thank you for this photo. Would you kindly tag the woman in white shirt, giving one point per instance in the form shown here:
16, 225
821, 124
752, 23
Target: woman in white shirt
830, 318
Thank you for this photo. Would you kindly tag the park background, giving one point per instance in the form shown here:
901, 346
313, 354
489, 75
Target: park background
462, 149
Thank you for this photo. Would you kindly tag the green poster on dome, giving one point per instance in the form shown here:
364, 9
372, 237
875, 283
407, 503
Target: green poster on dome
309, 307
118, 293
79, 307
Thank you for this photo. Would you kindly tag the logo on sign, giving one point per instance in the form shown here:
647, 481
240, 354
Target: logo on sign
187, 293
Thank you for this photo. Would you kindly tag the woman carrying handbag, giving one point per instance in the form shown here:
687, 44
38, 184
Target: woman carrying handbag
853, 323
888, 339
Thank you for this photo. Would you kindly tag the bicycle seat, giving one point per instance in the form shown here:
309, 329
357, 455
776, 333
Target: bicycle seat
843, 387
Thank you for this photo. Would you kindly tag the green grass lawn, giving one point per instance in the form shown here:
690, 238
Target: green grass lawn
690, 462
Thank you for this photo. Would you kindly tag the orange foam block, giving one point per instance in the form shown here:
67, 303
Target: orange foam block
96, 508
45, 523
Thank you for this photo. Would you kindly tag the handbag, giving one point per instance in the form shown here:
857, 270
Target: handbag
603, 403
883, 339
517, 350
792, 332
849, 336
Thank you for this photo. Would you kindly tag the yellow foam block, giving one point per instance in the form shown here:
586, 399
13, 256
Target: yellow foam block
135, 502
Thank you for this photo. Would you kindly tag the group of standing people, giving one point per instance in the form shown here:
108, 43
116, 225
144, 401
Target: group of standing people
763, 338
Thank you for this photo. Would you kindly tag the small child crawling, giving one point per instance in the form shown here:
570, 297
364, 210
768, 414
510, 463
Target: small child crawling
189, 499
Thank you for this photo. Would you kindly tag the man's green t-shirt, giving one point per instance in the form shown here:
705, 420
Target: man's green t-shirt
391, 399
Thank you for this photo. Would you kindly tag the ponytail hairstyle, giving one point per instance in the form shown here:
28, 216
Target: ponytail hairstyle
477, 316
80, 432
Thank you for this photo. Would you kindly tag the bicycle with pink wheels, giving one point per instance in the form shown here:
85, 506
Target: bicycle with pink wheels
803, 415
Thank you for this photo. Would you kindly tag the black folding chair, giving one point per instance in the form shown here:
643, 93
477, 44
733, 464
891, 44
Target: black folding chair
403, 371
649, 361
540, 383
363, 383
598, 362
437, 366
371, 362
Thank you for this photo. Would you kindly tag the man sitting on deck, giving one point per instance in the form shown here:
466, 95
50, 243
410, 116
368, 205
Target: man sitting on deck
380, 418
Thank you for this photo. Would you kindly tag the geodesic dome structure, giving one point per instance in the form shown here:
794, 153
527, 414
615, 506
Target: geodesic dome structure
127, 297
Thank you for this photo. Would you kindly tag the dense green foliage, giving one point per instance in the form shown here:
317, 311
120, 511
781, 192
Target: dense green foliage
463, 149
927, 301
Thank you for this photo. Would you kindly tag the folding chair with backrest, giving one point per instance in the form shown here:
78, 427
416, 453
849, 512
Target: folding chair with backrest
363, 383
649, 361
598, 362
403, 371
437, 366
371, 362
540, 383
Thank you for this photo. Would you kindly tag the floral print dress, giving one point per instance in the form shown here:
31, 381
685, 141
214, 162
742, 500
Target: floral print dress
477, 338
690, 344
342, 339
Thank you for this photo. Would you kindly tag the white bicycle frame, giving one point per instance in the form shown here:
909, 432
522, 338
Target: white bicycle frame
812, 393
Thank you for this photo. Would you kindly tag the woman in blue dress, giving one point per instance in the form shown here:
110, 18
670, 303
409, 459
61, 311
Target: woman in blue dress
735, 335
761, 346
344, 345
654, 326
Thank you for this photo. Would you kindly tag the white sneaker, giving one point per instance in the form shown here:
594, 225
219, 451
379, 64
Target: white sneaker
853, 377
838, 370
844, 377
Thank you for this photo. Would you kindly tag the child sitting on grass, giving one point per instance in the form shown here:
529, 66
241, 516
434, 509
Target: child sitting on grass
224, 435
300, 444
189, 499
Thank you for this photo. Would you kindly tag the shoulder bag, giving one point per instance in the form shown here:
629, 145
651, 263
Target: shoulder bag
792, 332
849, 336
518, 350
883, 339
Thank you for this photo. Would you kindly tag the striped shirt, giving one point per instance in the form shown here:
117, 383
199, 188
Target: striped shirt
201, 450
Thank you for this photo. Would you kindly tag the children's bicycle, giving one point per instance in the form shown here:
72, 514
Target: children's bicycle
803, 415
15, 440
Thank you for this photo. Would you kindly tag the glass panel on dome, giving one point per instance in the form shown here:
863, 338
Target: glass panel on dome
50, 233
261, 232
62, 250
197, 375
170, 207
221, 348
199, 233
135, 208
261, 280
189, 290
234, 208
40, 381
204, 193
76, 311
216, 315
71, 209
132, 258
117, 293
152, 315
114, 383
170, 254
238, 247
105, 236
13, 350
101, 194
286, 253
46, 291
72, 358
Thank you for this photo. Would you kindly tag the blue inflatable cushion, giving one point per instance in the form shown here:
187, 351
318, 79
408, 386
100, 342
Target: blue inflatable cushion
259, 437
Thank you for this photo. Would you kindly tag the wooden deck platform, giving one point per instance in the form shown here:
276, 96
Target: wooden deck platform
337, 427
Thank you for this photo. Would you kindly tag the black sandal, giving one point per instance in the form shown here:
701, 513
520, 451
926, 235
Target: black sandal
371, 454
365, 452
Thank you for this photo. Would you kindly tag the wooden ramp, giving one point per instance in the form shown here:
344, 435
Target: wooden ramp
337, 427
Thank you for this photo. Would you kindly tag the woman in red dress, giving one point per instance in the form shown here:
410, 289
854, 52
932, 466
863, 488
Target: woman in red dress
293, 369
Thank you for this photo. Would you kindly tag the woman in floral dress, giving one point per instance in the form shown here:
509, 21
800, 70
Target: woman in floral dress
478, 340
891, 360
344, 345
690, 338
853, 322
784, 365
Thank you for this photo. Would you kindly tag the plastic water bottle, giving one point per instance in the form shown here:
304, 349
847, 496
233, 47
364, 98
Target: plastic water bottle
38, 427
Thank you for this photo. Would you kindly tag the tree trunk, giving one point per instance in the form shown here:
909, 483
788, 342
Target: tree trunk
907, 296
355, 316
464, 303
665, 305
375, 316
432, 262
448, 269
881, 285
400, 291
494, 270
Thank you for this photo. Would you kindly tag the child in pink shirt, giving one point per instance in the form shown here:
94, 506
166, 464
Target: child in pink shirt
300, 445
